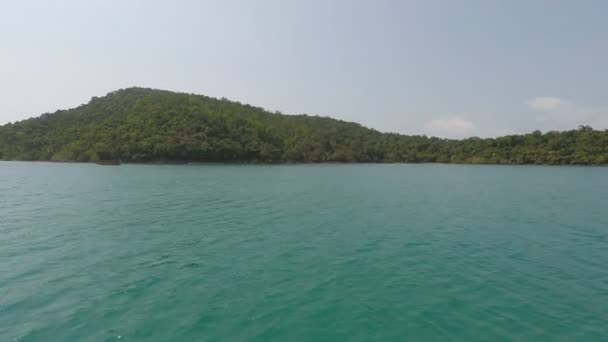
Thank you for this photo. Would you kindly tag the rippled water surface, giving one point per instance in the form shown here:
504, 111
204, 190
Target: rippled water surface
301, 253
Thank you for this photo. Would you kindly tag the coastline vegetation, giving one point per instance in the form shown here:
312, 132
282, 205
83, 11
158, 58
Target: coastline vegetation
148, 125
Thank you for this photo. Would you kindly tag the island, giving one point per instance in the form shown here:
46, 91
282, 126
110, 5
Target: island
142, 125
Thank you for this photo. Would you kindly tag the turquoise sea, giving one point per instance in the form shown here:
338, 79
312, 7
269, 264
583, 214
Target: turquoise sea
303, 253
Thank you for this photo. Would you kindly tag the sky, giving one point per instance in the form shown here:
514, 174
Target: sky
450, 68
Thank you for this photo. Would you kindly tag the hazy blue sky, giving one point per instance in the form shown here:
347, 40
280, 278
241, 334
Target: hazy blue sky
449, 68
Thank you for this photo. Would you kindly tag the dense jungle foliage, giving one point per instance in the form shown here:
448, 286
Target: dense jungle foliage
147, 125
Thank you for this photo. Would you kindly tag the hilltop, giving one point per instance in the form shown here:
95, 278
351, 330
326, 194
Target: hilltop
149, 125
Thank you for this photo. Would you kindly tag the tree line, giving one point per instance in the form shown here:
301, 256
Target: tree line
148, 125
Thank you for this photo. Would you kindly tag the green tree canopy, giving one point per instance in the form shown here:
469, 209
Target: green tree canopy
147, 125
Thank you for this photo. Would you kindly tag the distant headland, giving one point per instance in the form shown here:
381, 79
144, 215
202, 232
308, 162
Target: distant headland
147, 125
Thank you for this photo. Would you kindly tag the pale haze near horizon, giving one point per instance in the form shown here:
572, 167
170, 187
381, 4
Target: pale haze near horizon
446, 68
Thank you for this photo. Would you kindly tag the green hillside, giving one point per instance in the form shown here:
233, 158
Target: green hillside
146, 125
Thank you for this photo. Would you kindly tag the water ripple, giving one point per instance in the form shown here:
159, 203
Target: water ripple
328, 252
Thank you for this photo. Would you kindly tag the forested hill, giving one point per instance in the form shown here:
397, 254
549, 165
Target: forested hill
146, 125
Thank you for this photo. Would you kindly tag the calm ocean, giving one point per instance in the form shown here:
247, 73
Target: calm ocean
302, 253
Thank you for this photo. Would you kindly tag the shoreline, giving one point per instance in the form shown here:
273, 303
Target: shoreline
165, 163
